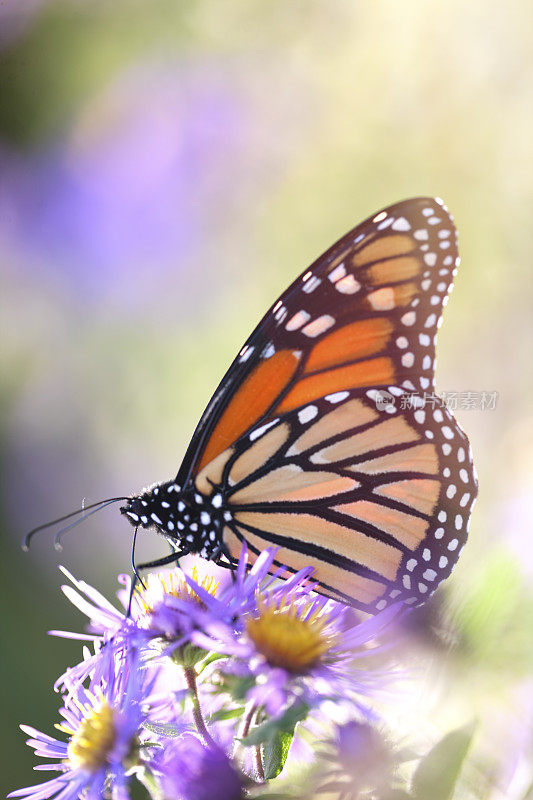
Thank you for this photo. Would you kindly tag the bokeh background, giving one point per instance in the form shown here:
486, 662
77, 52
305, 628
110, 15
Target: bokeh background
166, 169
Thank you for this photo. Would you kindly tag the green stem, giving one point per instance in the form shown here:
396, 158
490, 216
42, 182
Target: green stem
147, 779
254, 708
190, 678
259, 764
250, 713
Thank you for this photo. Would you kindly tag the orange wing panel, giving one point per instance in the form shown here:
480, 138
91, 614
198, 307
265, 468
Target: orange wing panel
359, 339
373, 372
394, 269
255, 396
419, 493
387, 247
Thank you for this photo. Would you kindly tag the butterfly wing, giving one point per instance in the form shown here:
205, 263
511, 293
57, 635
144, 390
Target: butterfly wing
376, 496
365, 314
376, 500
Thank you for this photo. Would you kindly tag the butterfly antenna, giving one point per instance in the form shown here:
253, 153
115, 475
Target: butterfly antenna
96, 506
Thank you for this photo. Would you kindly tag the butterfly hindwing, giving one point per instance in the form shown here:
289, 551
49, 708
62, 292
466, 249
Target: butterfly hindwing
365, 314
376, 499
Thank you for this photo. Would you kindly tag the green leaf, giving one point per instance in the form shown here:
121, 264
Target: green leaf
274, 753
437, 773
275, 796
487, 609
209, 660
237, 687
284, 724
226, 713
406, 754
171, 731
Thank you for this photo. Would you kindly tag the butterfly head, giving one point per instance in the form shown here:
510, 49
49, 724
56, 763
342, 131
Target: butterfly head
145, 508
188, 517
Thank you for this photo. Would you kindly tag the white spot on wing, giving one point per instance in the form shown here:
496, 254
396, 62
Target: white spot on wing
337, 397
409, 318
310, 285
307, 414
260, 431
382, 299
348, 285
337, 273
319, 326
401, 224
453, 544
245, 353
296, 321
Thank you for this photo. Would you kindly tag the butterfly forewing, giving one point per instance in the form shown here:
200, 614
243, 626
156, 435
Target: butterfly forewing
365, 314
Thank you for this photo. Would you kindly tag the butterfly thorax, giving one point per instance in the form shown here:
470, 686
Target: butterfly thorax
194, 521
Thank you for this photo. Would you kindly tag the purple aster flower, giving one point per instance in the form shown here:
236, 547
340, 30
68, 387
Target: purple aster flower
105, 620
298, 646
153, 617
155, 622
159, 608
202, 604
358, 759
190, 770
108, 630
361, 749
102, 727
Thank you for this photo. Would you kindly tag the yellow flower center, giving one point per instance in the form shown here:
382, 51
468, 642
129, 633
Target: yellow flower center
91, 744
171, 583
289, 637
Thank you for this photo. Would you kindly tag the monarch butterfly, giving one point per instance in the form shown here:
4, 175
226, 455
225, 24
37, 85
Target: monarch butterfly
324, 438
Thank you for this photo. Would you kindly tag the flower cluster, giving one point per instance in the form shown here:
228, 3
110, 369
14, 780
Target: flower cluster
198, 688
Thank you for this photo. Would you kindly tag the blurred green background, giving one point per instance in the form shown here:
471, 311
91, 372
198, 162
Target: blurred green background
166, 169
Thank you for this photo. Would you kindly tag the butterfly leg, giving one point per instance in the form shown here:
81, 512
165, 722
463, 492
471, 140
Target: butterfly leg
162, 562
136, 576
132, 589
174, 557
222, 550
